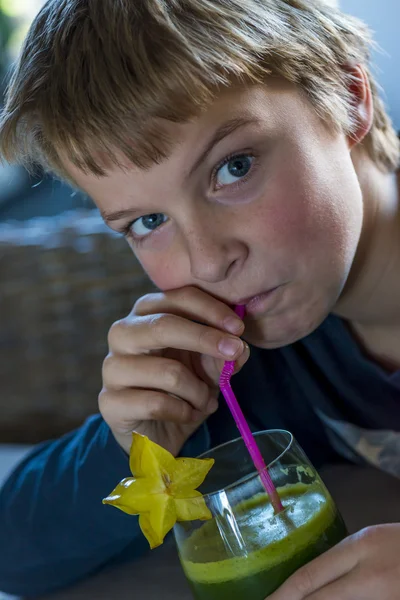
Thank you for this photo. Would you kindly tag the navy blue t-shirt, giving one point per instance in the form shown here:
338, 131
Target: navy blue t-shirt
340, 406
325, 390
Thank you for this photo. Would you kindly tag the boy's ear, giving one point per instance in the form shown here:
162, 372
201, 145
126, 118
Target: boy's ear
363, 106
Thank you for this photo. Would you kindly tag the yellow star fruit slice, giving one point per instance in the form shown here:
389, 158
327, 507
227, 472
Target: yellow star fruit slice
163, 489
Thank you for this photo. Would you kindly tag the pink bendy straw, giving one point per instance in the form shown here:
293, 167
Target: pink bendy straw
244, 429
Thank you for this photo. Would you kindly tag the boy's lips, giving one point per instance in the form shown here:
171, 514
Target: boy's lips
259, 303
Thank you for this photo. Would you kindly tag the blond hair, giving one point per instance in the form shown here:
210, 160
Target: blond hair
95, 75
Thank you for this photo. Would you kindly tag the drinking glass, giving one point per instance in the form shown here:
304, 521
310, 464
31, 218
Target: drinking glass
246, 551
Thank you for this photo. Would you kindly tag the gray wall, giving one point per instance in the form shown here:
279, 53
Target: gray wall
383, 16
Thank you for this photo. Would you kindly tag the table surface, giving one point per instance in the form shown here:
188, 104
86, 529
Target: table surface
358, 493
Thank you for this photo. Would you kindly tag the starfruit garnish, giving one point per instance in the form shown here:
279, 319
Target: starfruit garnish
163, 489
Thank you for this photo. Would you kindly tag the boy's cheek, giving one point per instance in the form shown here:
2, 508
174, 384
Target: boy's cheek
281, 228
164, 260
167, 271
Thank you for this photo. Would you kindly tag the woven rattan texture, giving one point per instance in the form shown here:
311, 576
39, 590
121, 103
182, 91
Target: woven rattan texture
64, 281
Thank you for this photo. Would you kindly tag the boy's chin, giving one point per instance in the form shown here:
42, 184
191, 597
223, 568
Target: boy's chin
279, 331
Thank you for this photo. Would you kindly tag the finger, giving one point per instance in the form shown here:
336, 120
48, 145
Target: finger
325, 569
345, 588
157, 332
242, 360
193, 304
123, 409
125, 371
239, 364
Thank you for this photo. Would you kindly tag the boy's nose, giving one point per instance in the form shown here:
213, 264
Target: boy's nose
213, 259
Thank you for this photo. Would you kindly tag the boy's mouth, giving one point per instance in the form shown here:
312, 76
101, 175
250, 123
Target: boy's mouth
259, 303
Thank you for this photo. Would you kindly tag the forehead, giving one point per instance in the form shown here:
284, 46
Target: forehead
274, 105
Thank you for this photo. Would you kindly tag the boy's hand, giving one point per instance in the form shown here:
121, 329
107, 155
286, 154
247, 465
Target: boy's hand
161, 375
365, 566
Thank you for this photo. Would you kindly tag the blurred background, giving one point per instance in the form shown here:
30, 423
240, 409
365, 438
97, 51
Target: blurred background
64, 278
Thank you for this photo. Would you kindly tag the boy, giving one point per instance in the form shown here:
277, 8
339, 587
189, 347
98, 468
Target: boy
242, 148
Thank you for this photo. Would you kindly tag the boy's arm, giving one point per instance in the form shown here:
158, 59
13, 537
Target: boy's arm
54, 529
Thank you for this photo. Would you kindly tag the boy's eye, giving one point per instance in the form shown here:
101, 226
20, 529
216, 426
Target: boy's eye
144, 225
235, 168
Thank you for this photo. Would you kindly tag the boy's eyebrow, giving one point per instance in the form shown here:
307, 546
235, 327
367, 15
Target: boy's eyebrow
118, 215
222, 132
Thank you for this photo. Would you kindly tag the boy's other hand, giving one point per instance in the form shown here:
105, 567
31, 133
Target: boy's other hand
365, 566
161, 375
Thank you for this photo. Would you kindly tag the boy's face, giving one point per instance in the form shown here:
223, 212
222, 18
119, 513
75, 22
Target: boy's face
274, 205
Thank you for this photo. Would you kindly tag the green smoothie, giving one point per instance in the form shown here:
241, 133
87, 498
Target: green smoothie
265, 549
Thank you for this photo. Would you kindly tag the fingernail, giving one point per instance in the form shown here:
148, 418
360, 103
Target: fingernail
229, 347
233, 324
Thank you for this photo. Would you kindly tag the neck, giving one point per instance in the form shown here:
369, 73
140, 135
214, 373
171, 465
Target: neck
371, 298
